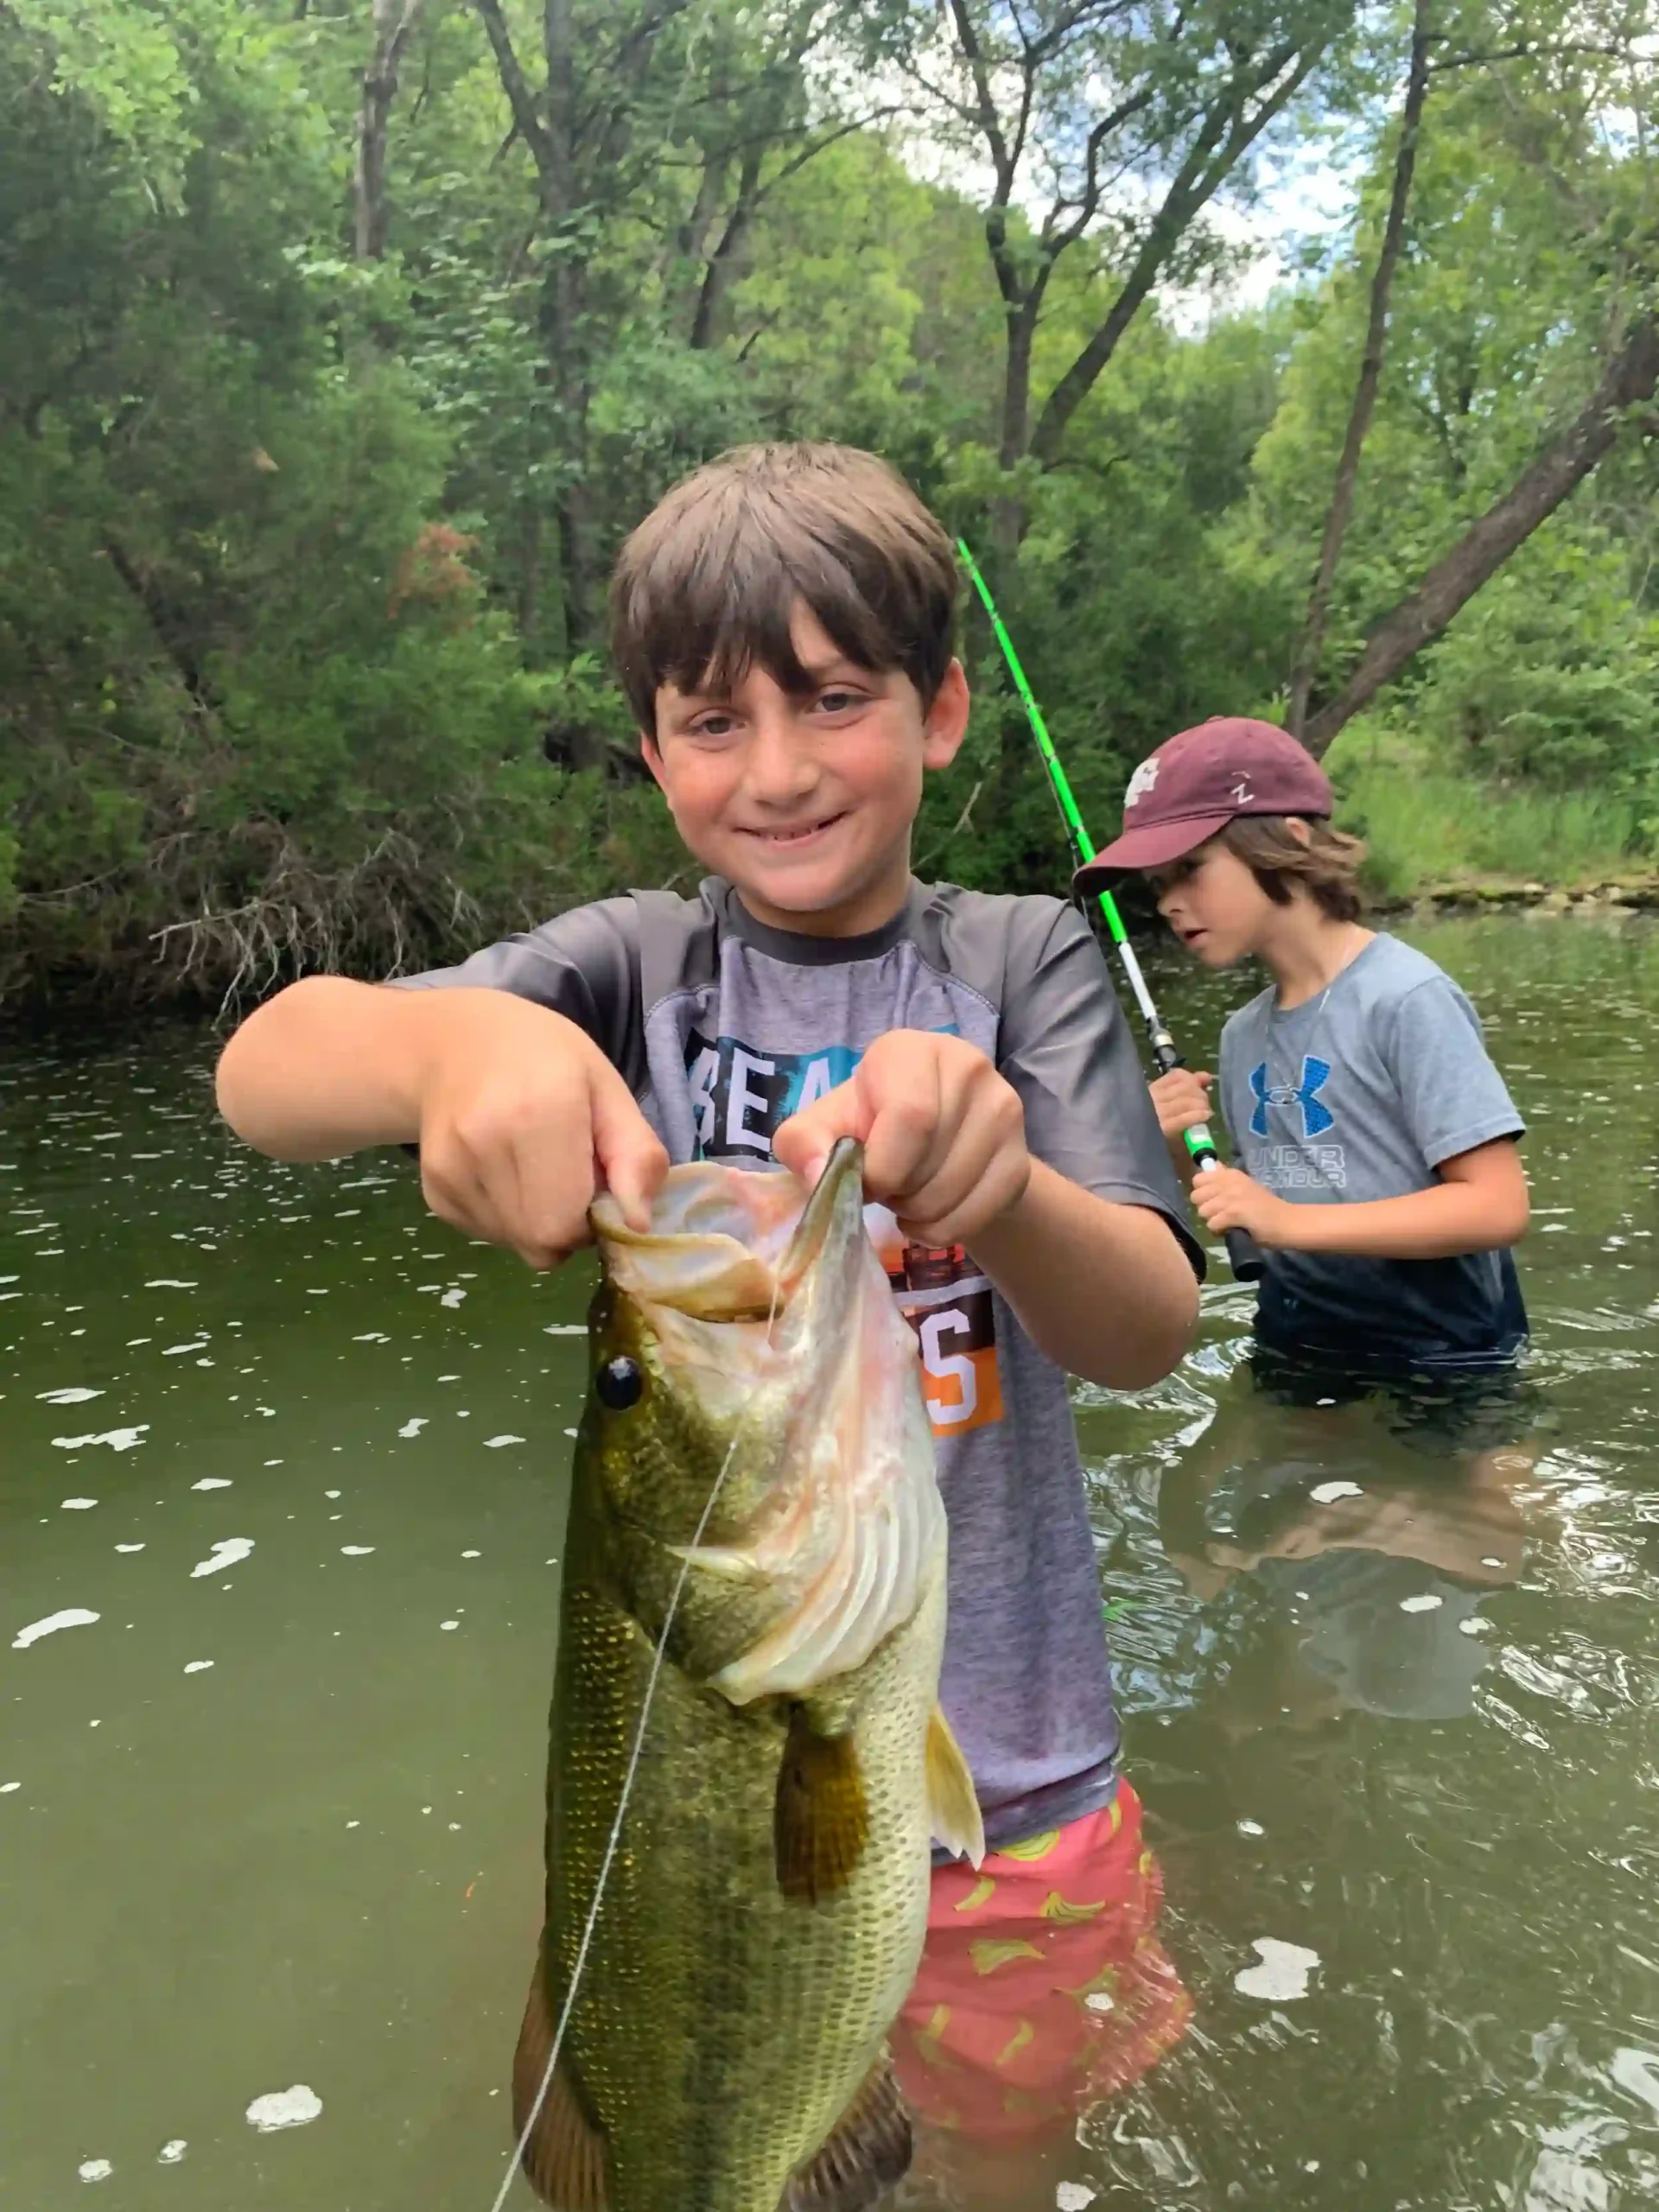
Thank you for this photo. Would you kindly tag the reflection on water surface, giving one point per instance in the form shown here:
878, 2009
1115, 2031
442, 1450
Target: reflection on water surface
282, 1479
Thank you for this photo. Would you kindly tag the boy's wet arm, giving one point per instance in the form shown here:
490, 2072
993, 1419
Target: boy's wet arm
1105, 1288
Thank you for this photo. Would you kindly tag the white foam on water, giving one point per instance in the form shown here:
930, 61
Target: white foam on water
331, 1493
171, 2153
1474, 1625
356, 1551
73, 1398
169, 1282
565, 1329
494, 1443
78, 1505
1488, 1560
197, 1666
472, 1554
129, 1547
1251, 1828
455, 1297
199, 1343
1425, 1602
1328, 1493
1638, 2071
95, 2170
213, 1482
295, 2107
71, 1617
448, 1624
227, 1554
413, 1427
1074, 2196
6, 1788
569, 1432
118, 1439
372, 1336
1282, 1974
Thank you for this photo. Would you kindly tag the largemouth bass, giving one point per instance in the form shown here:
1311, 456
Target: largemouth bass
767, 1902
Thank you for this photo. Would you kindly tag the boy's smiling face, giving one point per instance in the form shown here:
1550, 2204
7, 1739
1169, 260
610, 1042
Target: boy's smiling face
805, 802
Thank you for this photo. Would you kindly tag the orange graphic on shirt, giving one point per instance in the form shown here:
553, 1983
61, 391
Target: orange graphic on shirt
947, 1302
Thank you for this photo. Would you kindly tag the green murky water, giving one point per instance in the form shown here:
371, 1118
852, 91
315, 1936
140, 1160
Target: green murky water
272, 1818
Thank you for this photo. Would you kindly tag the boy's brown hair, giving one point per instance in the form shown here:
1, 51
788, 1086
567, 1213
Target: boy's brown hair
707, 585
1326, 867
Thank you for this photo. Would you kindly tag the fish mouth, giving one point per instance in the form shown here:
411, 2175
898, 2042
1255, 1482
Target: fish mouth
832, 1220
730, 1244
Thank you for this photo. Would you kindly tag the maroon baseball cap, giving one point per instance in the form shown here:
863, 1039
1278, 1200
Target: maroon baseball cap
1198, 782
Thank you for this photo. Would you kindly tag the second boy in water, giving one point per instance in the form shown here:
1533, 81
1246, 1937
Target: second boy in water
1381, 1171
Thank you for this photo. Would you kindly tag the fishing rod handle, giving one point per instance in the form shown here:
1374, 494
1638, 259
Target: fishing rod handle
1244, 1254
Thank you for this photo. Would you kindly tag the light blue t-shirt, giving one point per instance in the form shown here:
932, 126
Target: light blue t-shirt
1361, 1092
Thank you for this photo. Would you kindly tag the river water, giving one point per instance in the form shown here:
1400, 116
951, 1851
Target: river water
270, 1821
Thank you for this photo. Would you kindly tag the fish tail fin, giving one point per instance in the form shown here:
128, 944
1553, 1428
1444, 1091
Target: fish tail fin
952, 1807
865, 2154
564, 2158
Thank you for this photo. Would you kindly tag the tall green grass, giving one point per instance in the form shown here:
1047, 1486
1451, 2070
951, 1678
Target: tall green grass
1427, 827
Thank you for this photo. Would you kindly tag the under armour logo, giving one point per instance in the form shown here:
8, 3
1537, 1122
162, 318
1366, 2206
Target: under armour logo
1316, 1119
1142, 781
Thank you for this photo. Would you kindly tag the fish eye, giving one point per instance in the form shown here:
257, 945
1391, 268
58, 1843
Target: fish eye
619, 1384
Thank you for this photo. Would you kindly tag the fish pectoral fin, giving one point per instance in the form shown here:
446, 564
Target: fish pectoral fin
952, 1807
821, 1817
867, 2152
564, 2158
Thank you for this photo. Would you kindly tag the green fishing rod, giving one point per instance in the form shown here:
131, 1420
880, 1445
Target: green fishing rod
1243, 1252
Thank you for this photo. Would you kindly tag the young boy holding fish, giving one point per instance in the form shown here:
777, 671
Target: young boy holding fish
782, 625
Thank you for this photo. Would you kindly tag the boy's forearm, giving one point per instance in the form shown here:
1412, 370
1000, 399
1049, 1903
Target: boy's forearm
1438, 1223
327, 1067
1104, 1289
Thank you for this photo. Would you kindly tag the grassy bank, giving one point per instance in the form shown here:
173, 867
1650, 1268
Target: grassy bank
1430, 830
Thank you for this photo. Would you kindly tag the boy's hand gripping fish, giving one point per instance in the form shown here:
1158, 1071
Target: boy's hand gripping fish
765, 1908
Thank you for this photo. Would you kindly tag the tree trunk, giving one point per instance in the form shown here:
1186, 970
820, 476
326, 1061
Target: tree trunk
394, 20
1370, 373
1008, 511
1227, 135
169, 623
723, 261
1629, 380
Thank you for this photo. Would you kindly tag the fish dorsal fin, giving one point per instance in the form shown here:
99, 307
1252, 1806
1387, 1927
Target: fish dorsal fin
564, 2159
952, 1805
866, 2154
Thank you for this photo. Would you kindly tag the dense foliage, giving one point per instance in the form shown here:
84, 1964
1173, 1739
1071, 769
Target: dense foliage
339, 346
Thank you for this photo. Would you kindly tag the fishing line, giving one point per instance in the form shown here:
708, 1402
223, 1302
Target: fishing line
632, 1770
1243, 1252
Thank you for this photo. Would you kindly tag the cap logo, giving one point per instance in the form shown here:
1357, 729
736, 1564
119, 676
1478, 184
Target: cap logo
1143, 779
1241, 793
